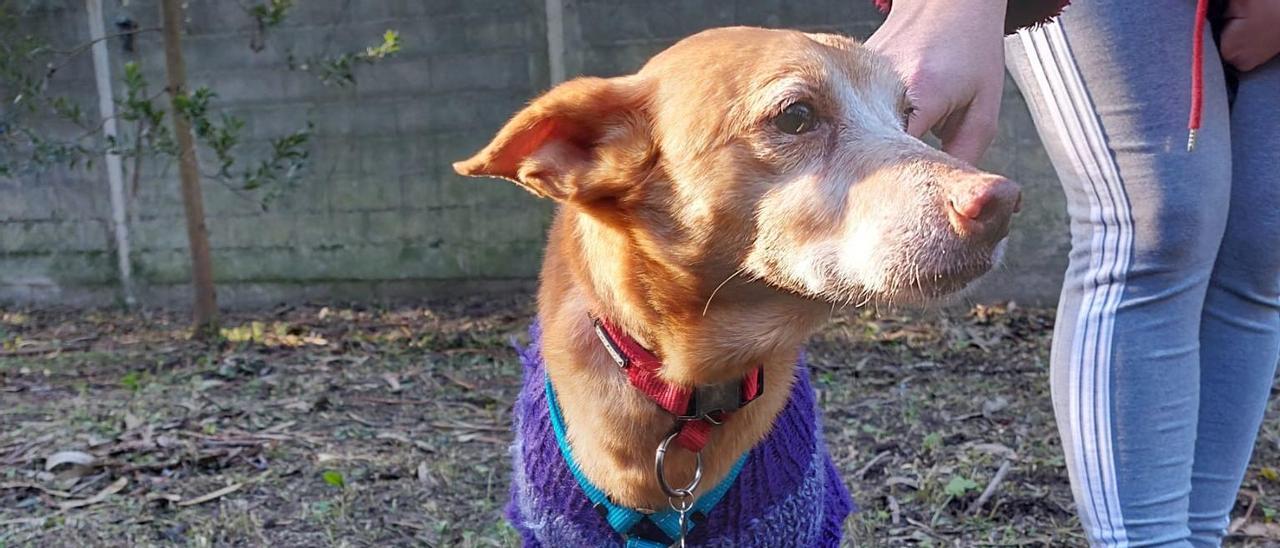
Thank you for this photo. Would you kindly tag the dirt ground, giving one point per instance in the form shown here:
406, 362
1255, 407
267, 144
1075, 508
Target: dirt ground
366, 426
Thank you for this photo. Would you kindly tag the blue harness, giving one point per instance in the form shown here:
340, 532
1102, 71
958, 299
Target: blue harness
622, 519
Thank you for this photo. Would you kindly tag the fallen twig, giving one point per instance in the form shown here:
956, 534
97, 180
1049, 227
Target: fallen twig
364, 421
991, 487
36, 486
16, 456
390, 401
458, 381
407, 525
127, 468
867, 467
211, 496
472, 436
925, 528
277, 428
143, 445
969, 416
77, 345
1239, 523
238, 438
102, 495
1035, 541
459, 425
23, 521
405, 440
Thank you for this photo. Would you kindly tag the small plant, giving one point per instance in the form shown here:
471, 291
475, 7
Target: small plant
932, 442
131, 381
334, 478
959, 486
1268, 473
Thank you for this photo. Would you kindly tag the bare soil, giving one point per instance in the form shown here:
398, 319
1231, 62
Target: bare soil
367, 426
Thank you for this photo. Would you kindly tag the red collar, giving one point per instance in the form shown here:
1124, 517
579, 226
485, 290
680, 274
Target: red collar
697, 409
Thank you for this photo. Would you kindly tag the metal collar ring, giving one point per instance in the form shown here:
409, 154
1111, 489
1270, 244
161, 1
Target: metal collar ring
659, 468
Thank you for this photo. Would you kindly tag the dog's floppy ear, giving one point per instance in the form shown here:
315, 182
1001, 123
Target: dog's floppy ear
548, 147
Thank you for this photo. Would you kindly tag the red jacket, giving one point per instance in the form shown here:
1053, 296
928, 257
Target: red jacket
1021, 13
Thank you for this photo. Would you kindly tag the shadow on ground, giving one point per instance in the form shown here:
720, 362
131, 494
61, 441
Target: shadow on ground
316, 426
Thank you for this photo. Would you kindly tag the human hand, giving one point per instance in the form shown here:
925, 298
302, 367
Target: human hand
1251, 35
951, 56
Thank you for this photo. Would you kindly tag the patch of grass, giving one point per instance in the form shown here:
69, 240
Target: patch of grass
131, 381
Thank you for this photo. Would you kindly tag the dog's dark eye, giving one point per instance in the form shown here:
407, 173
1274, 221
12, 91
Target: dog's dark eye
907, 113
797, 118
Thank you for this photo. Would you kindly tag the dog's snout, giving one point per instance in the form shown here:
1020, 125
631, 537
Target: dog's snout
981, 207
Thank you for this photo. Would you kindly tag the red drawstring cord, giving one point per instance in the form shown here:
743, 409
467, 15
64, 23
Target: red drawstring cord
1197, 74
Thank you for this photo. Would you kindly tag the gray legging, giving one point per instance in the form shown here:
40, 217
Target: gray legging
1168, 328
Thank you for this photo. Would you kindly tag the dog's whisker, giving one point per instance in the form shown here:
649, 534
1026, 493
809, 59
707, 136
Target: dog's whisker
707, 306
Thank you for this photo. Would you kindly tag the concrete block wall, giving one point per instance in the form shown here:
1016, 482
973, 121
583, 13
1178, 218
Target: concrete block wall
379, 212
54, 230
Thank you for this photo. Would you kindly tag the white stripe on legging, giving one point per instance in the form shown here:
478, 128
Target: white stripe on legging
1113, 282
1089, 403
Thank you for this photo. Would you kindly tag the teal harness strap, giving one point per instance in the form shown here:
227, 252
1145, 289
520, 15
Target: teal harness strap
622, 519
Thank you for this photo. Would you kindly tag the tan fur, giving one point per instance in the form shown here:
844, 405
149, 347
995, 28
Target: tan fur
674, 186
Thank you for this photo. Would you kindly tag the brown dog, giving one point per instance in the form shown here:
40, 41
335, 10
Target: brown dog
715, 207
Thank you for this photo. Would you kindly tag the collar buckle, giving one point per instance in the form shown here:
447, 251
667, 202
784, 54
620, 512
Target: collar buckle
711, 401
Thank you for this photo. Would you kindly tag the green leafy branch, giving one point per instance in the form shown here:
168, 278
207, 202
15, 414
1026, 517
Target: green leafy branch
270, 13
287, 156
339, 70
266, 15
27, 64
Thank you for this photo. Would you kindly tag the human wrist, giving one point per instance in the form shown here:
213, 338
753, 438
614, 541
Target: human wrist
972, 13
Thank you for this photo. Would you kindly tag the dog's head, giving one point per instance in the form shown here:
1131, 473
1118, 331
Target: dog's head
777, 155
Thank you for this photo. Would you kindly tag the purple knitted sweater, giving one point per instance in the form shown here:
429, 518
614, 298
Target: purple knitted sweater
788, 492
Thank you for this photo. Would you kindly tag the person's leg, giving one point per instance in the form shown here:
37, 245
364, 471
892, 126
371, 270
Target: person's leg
1240, 330
1109, 87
